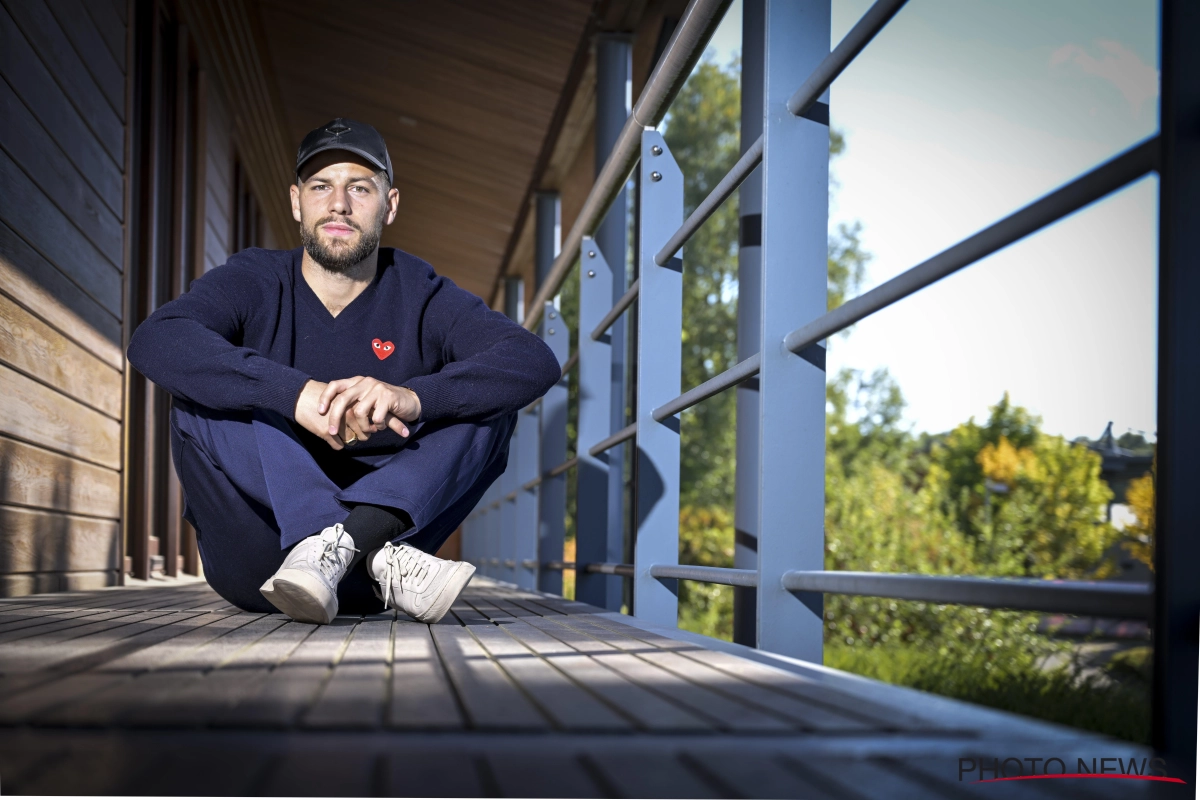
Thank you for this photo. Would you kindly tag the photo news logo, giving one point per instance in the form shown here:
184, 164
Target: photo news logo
993, 770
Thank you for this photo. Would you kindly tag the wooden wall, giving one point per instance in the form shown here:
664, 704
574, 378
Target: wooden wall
62, 202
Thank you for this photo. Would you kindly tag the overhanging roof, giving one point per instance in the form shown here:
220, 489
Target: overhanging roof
464, 93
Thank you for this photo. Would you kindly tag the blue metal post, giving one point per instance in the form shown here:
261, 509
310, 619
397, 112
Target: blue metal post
508, 513
525, 548
552, 492
660, 324
1177, 547
614, 53
592, 540
795, 211
746, 484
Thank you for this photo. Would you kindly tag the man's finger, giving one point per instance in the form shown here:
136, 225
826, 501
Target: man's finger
397, 424
333, 389
337, 409
362, 414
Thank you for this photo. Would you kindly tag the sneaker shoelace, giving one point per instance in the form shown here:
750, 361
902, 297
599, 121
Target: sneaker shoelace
329, 560
402, 562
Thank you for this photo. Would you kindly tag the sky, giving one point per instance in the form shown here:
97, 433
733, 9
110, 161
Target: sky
959, 113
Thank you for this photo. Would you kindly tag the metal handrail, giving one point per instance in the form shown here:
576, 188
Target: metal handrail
847, 50
1083, 191
605, 568
570, 363
822, 77
1087, 598
721, 575
684, 49
739, 372
618, 309
623, 435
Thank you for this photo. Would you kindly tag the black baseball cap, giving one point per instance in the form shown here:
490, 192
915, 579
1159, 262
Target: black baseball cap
346, 134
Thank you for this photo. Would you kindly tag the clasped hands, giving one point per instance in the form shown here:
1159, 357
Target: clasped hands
349, 410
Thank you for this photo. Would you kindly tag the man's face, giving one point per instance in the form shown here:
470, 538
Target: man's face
342, 203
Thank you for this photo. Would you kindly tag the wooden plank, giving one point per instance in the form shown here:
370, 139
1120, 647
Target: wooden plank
31, 476
54, 50
356, 694
430, 773
864, 778
34, 348
38, 285
49, 541
489, 697
307, 774
28, 700
565, 702
421, 696
294, 684
653, 773
105, 67
190, 770
57, 422
532, 774
750, 774
203, 700
647, 709
805, 715
103, 767
853, 710
44, 652
112, 28
33, 83
725, 712
24, 207
134, 701
35, 152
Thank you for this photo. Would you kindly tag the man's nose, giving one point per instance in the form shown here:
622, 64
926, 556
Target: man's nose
340, 201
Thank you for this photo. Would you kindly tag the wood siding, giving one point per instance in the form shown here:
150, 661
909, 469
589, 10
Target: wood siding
62, 166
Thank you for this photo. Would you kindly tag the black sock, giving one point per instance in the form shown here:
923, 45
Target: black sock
372, 527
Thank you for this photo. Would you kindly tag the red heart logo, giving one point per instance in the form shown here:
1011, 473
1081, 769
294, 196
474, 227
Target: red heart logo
382, 349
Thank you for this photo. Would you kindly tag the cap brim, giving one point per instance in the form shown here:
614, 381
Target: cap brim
357, 151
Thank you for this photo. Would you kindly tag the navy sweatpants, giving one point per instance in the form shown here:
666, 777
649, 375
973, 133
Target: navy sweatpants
255, 484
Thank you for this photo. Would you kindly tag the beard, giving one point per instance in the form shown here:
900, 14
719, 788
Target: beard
339, 256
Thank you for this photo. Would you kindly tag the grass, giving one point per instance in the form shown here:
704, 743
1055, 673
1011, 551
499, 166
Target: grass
1113, 700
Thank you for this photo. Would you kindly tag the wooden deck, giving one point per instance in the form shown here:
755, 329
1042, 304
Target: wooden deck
173, 691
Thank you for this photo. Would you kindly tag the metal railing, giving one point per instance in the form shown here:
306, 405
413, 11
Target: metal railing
791, 365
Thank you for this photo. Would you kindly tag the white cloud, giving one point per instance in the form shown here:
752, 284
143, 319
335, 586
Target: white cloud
1118, 65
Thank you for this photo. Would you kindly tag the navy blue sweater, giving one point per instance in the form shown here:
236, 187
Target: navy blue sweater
249, 334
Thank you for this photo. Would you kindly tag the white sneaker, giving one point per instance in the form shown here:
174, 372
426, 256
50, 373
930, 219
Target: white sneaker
420, 585
305, 586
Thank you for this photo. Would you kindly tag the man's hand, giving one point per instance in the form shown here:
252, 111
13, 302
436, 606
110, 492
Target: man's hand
364, 406
309, 416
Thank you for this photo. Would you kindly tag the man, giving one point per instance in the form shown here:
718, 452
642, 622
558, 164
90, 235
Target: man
339, 408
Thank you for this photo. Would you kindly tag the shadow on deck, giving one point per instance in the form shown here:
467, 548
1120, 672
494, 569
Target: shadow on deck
173, 691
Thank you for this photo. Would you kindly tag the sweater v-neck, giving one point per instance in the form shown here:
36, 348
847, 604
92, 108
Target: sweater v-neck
352, 310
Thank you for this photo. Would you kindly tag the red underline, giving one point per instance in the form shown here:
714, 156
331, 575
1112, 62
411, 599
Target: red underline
1107, 775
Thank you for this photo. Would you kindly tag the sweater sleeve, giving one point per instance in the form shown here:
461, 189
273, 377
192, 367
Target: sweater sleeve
192, 347
491, 365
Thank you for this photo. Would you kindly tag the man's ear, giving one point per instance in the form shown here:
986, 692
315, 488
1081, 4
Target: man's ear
295, 192
393, 201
